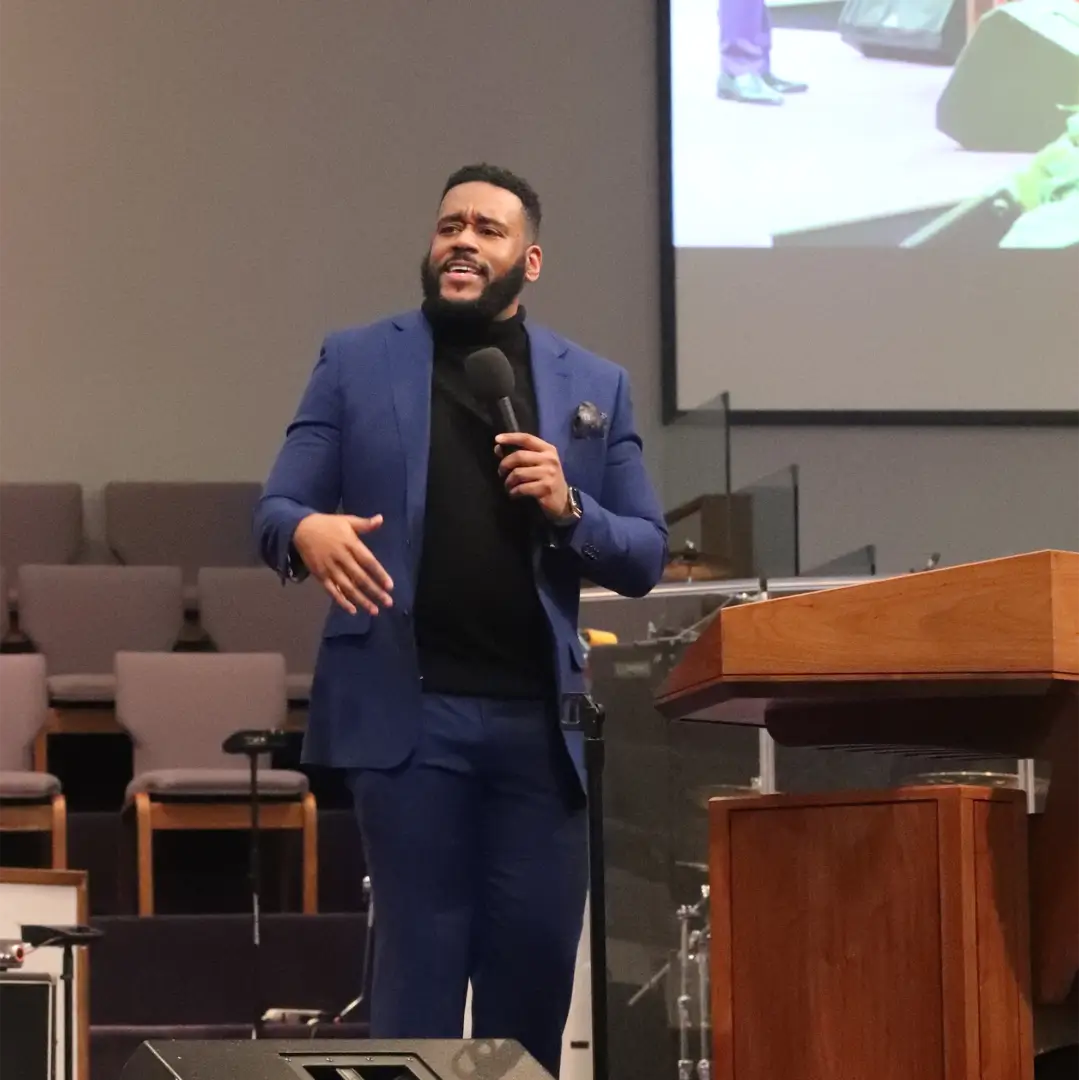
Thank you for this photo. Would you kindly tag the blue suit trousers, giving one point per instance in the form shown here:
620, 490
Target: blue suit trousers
477, 850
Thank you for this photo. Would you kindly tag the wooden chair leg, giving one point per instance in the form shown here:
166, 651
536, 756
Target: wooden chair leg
310, 855
144, 828
59, 832
40, 751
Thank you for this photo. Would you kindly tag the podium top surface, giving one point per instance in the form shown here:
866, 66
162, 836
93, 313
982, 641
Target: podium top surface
1013, 620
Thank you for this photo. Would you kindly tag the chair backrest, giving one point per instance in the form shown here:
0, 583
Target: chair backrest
40, 523
181, 524
24, 707
180, 707
81, 616
249, 610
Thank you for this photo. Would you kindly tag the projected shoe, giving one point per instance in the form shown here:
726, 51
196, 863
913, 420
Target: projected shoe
748, 89
784, 86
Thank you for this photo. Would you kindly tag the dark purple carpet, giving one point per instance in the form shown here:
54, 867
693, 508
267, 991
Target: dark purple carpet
191, 976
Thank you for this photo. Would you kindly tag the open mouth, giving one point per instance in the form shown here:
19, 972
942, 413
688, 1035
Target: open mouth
462, 271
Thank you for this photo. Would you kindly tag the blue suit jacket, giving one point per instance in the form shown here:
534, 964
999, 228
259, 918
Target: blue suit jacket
359, 443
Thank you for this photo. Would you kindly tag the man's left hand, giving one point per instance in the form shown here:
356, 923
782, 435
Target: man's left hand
531, 469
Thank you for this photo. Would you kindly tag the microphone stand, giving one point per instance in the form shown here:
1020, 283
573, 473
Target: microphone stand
253, 744
256, 875
592, 717
65, 938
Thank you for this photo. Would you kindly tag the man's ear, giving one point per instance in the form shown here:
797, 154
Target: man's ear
533, 262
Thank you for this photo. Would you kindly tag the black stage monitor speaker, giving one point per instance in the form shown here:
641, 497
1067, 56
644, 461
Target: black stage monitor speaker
925, 31
333, 1059
1015, 79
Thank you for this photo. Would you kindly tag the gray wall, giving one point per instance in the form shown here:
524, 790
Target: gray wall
191, 194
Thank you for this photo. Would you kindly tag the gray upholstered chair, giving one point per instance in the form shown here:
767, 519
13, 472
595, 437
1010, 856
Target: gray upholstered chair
179, 708
189, 525
249, 610
29, 801
40, 523
79, 617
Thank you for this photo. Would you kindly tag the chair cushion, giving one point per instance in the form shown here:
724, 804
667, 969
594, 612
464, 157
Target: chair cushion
298, 687
28, 785
79, 689
217, 783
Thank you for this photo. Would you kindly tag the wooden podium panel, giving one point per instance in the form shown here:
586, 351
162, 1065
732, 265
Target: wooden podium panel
981, 628
980, 658
878, 935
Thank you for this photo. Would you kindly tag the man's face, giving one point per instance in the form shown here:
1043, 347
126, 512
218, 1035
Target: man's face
481, 253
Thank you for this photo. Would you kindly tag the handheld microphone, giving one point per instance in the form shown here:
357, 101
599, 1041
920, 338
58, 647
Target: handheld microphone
491, 380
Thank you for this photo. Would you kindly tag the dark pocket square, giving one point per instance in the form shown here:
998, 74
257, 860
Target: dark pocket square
589, 422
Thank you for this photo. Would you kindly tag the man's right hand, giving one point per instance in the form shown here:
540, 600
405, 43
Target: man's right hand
332, 550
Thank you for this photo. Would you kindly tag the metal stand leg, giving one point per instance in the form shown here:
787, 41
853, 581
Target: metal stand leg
67, 976
704, 1063
592, 716
256, 875
685, 1024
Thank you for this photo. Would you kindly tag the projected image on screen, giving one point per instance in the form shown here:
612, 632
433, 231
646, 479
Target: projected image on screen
875, 123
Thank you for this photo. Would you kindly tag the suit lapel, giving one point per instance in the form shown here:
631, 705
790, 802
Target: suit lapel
552, 380
411, 352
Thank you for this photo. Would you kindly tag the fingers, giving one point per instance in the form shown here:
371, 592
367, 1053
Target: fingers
338, 596
522, 458
522, 441
364, 525
365, 561
353, 589
536, 489
349, 572
529, 475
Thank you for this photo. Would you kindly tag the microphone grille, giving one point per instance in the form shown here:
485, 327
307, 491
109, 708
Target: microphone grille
489, 374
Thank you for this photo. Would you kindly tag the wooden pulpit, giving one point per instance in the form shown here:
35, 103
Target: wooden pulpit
981, 658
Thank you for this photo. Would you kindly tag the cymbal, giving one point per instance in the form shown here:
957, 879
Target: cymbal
699, 568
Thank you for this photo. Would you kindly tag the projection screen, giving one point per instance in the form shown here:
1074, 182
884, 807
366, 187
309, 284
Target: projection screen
864, 219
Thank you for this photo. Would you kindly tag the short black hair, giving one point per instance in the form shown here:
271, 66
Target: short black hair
503, 178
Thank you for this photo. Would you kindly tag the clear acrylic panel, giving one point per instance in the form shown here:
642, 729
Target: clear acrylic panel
696, 481
772, 505
657, 779
696, 453
861, 562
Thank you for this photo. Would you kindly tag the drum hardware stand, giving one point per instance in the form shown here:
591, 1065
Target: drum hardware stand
693, 952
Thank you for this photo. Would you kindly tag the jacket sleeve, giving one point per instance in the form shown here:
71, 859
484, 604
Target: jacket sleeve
621, 537
306, 476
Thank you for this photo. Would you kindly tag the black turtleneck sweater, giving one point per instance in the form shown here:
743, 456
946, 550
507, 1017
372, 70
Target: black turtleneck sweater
480, 628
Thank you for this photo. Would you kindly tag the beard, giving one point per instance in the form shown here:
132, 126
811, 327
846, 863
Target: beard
497, 295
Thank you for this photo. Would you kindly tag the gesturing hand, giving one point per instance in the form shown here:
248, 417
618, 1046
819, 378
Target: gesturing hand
531, 468
332, 550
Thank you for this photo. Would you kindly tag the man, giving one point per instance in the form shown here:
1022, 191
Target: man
745, 55
449, 662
